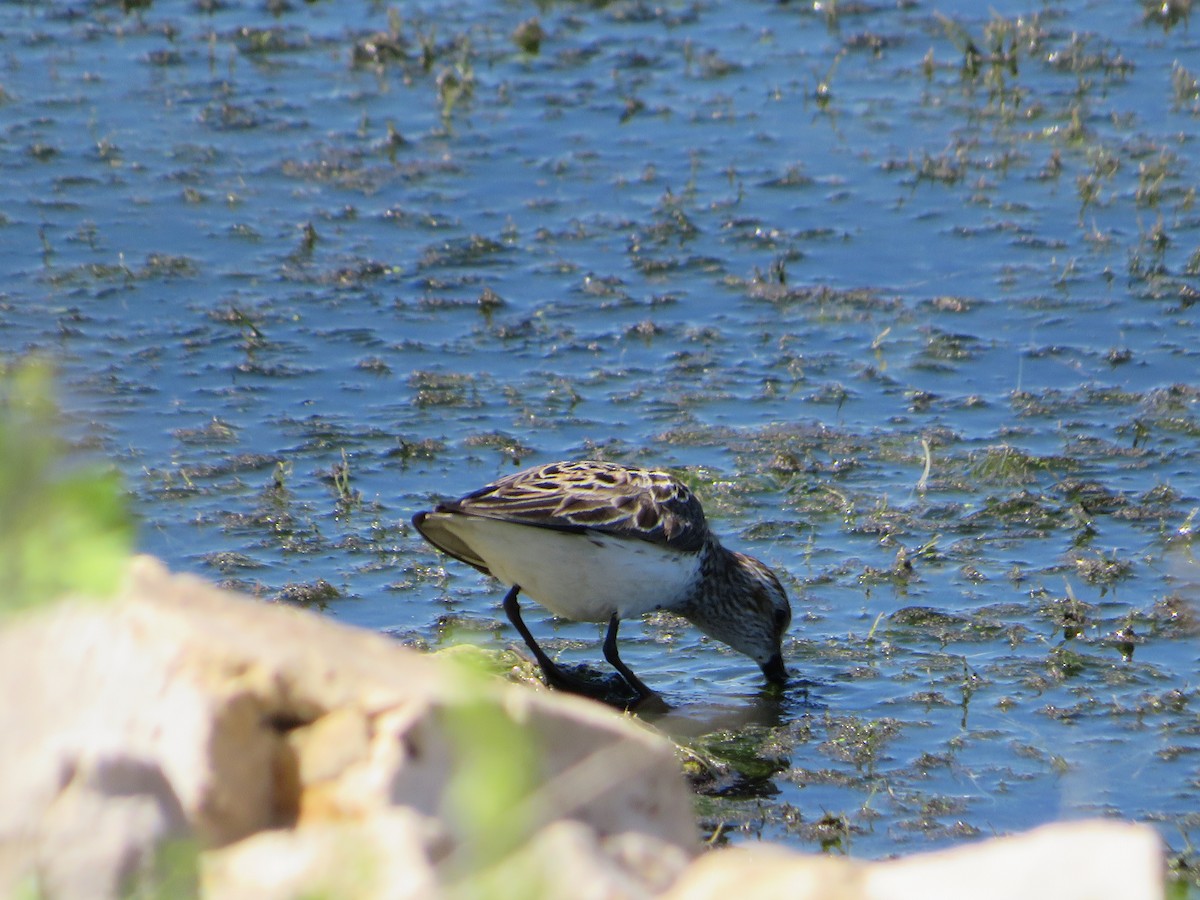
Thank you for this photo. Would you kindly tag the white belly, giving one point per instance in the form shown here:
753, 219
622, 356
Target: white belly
586, 577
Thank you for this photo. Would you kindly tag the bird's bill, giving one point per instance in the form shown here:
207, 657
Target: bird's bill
774, 670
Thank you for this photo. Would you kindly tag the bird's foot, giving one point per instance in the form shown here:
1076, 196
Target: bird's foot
607, 688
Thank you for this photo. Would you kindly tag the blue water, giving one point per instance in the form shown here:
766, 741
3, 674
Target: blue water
658, 198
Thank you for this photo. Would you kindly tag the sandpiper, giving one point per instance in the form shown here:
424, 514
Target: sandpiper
602, 542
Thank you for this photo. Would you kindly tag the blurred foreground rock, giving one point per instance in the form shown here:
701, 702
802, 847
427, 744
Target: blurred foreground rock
184, 740
1087, 860
276, 740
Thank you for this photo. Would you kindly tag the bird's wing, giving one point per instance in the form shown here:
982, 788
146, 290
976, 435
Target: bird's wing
593, 496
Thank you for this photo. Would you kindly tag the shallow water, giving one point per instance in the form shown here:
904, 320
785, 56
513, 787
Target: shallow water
917, 322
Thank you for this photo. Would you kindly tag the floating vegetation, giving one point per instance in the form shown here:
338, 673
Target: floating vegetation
156, 266
1008, 465
1167, 13
254, 41
528, 36
506, 445
434, 388
473, 250
1103, 570
859, 742
317, 594
214, 432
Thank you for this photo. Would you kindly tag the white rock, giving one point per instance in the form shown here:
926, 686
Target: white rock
112, 814
383, 856
1091, 860
1088, 860
566, 859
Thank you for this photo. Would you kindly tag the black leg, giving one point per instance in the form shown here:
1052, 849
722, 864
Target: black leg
614, 659
555, 676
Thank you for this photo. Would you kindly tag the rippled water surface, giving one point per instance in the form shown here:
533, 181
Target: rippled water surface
907, 292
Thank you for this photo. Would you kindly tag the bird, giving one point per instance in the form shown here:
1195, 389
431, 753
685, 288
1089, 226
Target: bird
601, 542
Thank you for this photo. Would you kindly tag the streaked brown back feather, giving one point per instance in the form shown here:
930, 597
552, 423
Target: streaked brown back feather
606, 497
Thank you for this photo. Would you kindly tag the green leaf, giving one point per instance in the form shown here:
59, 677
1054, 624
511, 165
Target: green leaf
64, 526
